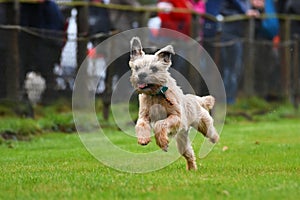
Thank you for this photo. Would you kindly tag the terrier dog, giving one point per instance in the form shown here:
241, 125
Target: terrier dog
164, 107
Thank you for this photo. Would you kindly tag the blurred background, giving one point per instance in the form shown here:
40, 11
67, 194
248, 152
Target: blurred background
254, 43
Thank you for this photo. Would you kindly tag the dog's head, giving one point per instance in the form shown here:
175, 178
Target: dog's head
149, 72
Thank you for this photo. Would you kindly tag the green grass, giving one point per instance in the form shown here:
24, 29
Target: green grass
262, 162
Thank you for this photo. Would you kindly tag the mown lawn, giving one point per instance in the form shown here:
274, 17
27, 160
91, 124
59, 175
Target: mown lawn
262, 161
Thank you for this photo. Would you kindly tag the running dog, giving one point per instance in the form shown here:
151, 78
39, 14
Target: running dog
164, 107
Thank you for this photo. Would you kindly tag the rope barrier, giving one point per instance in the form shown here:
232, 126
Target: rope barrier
228, 43
142, 9
46, 34
156, 10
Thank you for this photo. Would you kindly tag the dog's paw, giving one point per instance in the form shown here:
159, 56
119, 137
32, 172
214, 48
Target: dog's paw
161, 135
213, 135
214, 139
144, 141
162, 142
191, 165
164, 147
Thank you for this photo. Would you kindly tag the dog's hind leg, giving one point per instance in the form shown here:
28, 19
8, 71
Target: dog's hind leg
206, 126
186, 150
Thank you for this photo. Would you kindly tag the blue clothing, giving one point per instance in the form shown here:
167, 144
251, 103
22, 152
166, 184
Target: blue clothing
224, 7
212, 7
99, 21
53, 18
235, 7
31, 15
232, 54
44, 15
231, 58
267, 28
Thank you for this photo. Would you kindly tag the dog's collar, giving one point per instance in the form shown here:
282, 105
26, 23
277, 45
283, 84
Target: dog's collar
162, 92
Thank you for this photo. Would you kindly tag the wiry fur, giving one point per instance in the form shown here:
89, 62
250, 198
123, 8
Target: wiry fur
170, 113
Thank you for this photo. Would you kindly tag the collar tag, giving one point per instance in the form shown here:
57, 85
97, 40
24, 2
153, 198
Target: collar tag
162, 90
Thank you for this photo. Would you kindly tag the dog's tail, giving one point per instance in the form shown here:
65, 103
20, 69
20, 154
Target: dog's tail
207, 102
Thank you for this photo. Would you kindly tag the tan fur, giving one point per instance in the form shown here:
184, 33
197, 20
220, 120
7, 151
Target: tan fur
169, 113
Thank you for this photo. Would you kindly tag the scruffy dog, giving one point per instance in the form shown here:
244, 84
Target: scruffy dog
163, 106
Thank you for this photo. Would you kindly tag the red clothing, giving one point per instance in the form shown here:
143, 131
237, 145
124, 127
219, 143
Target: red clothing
180, 22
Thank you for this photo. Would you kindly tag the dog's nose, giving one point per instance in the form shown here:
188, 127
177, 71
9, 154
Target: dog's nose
142, 76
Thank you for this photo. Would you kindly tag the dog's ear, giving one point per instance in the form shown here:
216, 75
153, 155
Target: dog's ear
165, 54
136, 49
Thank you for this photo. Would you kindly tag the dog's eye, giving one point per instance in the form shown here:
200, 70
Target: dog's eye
136, 68
154, 69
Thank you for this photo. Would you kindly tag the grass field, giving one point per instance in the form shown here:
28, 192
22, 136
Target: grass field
262, 161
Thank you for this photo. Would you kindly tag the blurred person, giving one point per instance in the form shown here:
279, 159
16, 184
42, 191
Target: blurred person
66, 69
231, 62
40, 54
266, 28
124, 20
177, 21
266, 31
199, 7
99, 23
210, 27
293, 7
121, 20
99, 19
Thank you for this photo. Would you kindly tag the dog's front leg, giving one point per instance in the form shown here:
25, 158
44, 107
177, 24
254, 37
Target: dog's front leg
142, 128
143, 131
163, 127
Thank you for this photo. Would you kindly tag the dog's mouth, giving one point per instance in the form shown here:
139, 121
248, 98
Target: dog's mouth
147, 88
143, 86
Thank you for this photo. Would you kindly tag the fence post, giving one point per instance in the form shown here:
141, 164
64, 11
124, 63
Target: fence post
249, 52
12, 58
106, 98
82, 26
285, 67
145, 18
296, 78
